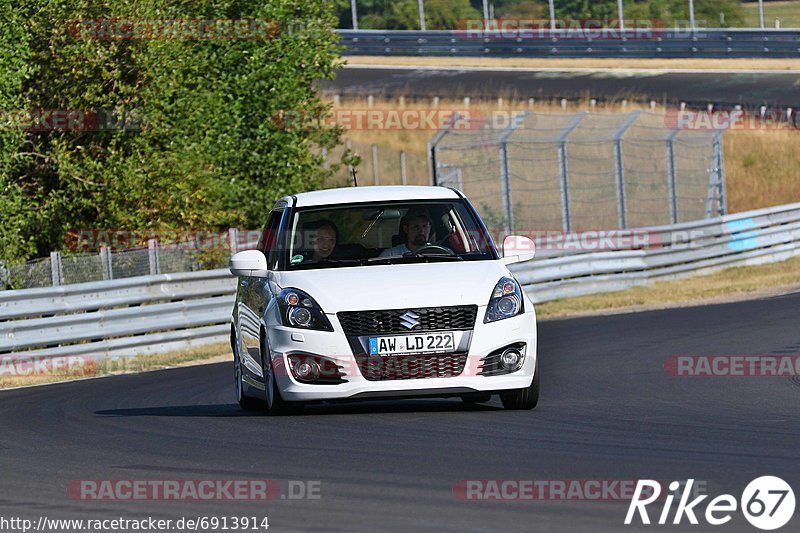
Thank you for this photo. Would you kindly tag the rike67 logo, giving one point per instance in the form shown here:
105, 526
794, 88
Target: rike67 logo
767, 503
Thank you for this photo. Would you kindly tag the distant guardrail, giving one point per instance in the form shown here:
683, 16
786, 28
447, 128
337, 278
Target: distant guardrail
679, 250
700, 43
152, 314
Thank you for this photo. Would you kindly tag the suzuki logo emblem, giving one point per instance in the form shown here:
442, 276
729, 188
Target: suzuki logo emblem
409, 319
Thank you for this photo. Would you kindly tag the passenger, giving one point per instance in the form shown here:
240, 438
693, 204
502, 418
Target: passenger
324, 238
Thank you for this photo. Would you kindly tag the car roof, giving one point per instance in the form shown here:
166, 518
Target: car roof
383, 193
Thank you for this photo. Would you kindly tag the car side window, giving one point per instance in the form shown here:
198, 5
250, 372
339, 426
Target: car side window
269, 238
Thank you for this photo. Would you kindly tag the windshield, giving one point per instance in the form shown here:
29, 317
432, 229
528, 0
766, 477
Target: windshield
386, 233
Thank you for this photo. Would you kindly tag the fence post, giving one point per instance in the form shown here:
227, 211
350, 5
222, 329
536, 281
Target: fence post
432, 163
505, 177
233, 239
566, 223
421, 7
716, 179
403, 176
619, 171
354, 13
671, 181
56, 271
722, 196
152, 249
375, 164
105, 261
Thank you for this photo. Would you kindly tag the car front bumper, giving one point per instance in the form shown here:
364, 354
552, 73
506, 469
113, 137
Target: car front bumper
486, 338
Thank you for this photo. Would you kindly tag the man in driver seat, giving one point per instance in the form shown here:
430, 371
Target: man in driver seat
416, 226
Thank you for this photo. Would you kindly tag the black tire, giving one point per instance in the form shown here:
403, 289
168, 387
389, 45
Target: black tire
477, 397
526, 398
248, 403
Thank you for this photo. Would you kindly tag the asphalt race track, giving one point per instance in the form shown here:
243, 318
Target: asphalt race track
608, 411
698, 88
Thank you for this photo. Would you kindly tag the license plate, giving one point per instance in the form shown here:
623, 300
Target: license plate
423, 343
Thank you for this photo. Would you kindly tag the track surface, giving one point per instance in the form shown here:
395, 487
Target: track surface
774, 89
608, 411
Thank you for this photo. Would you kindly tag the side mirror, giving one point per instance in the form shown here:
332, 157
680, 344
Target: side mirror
249, 263
518, 249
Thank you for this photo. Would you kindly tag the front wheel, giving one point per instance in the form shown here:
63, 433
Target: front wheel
525, 398
276, 405
247, 403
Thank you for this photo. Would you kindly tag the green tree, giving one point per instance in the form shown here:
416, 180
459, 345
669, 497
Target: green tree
15, 211
202, 148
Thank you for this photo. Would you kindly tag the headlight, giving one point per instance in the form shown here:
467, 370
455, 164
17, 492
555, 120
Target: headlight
506, 301
299, 310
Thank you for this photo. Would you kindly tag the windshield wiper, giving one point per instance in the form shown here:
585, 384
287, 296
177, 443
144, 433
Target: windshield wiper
437, 256
328, 262
412, 257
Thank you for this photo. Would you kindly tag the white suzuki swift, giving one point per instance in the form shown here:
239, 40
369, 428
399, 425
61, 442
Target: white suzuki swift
376, 292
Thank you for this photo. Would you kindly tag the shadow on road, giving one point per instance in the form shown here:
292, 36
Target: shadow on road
349, 408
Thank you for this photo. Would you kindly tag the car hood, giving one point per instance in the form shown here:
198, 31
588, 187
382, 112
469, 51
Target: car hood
397, 286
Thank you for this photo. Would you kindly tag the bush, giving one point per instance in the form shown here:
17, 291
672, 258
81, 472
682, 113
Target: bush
193, 143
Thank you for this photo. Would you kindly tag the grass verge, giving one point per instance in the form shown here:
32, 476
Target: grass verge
20, 376
726, 285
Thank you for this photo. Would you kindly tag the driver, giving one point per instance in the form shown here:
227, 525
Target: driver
416, 226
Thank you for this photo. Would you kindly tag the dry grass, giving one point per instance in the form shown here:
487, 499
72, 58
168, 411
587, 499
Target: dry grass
732, 283
761, 166
788, 12
92, 368
560, 63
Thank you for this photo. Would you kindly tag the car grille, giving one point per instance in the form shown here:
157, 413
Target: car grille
377, 368
357, 323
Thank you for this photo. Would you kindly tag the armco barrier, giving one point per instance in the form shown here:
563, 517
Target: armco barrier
754, 237
682, 43
165, 312
124, 317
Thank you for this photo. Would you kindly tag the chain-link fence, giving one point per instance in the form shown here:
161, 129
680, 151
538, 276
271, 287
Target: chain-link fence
582, 171
106, 264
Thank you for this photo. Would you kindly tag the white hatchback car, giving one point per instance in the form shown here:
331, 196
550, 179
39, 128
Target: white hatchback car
376, 292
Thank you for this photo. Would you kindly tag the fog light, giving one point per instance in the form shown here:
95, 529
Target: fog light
511, 359
307, 370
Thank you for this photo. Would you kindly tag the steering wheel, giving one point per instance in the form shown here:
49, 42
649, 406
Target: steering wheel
434, 247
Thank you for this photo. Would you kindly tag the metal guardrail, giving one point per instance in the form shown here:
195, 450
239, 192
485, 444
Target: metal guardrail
124, 317
754, 237
651, 43
152, 314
